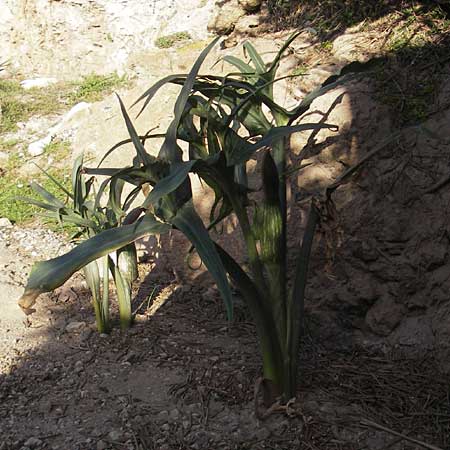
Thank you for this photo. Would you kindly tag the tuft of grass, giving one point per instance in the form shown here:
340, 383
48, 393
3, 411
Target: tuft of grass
300, 70
12, 186
326, 46
19, 105
8, 145
58, 149
171, 39
93, 87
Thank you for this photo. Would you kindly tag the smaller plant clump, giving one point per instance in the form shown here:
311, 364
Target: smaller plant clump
81, 210
172, 39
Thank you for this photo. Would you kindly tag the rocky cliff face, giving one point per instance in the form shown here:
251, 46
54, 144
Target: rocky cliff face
68, 38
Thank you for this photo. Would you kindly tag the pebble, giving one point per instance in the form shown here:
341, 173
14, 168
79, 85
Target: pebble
163, 416
75, 327
115, 435
5, 222
32, 442
78, 367
102, 445
174, 414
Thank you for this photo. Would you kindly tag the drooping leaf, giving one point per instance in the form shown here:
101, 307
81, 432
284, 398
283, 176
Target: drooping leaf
242, 153
48, 275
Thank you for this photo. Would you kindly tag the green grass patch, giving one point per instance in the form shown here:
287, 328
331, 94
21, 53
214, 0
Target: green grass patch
19, 105
58, 149
93, 87
300, 70
172, 39
12, 186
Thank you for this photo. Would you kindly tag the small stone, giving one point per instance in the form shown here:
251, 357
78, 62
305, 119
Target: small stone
5, 222
102, 445
37, 148
78, 367
162, 417
174, 414
75, 327
384, 316
37, 82
33, 442
115, 435
165, 427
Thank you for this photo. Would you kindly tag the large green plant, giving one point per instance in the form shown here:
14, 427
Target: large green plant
225, 122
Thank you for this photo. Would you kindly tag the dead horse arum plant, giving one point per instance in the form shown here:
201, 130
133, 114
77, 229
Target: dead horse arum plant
225, 121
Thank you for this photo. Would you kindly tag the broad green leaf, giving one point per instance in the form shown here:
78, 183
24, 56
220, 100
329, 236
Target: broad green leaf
271, 348
127, 262
48, 275
92, 276
191, 225
178, 174
255, 58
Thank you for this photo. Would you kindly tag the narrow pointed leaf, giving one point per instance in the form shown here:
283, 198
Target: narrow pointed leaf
170, 149
240, 154
140, 149
50, 198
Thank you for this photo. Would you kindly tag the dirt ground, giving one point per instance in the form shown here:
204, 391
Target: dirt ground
183, 378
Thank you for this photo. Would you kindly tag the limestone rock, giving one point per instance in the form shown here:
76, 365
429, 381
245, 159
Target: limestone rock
3, 156
37, 82
250, 5
37, 148
225, 17
5, 222
248, 24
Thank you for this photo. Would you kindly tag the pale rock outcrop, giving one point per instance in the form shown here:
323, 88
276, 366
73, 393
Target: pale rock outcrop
250, 5
71, 38
225, 17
